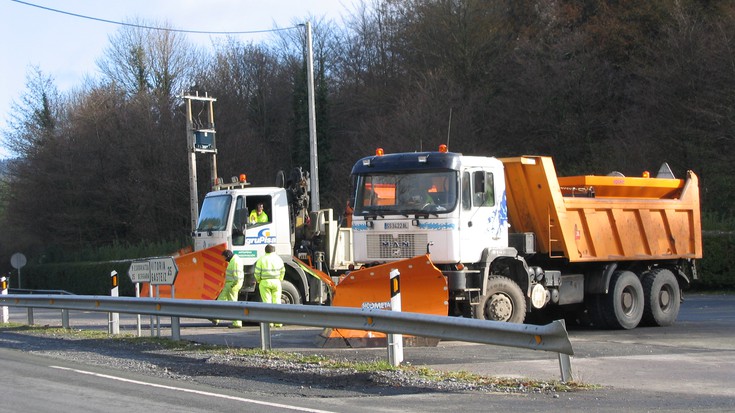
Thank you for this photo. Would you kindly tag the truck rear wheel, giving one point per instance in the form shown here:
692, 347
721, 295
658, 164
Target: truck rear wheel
504, 301
595, 314
623, 304
662, 297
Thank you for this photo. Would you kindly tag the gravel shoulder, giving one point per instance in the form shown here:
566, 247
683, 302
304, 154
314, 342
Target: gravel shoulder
229, 368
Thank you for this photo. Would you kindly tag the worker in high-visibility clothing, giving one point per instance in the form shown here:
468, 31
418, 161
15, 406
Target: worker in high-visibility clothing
258, 215
234, 277
269, 272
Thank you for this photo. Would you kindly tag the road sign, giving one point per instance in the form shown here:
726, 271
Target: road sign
18, 260
140, 271
163, 271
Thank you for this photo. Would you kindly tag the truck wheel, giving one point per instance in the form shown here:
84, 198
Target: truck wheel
289, 293
662, 297
624, 301
504, 301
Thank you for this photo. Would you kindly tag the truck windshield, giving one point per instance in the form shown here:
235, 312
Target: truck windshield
406, 193
214, 213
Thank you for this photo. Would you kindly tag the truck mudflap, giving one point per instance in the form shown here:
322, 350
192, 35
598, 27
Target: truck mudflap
423, 289
201, 275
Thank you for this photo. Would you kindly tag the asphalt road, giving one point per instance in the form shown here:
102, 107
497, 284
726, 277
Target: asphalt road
688, 366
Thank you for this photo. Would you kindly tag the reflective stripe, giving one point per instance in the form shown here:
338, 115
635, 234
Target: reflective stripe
234, 272
270, 267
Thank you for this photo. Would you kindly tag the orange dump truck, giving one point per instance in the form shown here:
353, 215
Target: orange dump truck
631, 240
497, 239
514, 241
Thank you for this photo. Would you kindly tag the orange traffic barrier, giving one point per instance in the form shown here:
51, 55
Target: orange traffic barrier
423, 290
201, 275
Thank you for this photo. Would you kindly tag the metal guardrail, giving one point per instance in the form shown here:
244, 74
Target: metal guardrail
33, 291
552, 337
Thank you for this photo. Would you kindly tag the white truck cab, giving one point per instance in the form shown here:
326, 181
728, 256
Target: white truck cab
224, 218
408, 204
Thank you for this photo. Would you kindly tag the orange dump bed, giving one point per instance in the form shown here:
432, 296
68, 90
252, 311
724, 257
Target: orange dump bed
603, 218
621, 187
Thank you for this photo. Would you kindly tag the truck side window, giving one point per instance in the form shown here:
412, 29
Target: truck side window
256, 217
489, 189
466, 193
239, 221
484, 195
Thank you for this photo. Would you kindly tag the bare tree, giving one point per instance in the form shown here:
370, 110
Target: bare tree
140, 60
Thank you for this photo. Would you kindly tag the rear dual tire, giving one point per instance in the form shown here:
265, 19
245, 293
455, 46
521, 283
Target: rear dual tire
622, 306
662, 297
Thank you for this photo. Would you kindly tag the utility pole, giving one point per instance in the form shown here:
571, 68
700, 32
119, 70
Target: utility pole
200, 138
314, 170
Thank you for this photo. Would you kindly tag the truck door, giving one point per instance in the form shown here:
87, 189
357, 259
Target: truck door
483, 223
239, 221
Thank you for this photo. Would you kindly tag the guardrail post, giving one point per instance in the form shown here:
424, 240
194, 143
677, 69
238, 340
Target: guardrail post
114, 320
395, 341
565, 363
30, 316
137, 316
150, 294
265, 336
4, 287
175, 327
65, 318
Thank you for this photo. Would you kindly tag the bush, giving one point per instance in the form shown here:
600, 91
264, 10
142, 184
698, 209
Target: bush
716, 268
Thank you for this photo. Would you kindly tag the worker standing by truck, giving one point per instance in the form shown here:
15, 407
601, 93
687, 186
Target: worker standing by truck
269, 272
234, 276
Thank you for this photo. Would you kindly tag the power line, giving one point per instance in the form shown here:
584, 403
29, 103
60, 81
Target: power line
149, 27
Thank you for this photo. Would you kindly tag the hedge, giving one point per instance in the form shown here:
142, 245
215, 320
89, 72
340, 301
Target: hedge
84, 278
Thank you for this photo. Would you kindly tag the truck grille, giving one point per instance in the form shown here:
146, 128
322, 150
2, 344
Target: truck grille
384, 246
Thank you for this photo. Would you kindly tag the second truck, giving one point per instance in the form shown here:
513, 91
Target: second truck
513, 241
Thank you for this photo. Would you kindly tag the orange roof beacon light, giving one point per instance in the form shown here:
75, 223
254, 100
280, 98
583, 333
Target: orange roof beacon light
243, 178
646, 174
443, 148
379, 152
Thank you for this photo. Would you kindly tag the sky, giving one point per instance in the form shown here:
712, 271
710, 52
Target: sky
66, 47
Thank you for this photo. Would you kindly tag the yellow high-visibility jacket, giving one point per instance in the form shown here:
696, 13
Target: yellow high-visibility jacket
269, 267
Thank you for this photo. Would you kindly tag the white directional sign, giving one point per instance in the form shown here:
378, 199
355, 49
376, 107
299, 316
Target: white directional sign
140, 271
163, 270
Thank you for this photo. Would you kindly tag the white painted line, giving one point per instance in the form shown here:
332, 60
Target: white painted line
203, 393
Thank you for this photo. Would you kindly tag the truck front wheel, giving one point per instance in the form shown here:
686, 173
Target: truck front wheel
289, 293
504, 301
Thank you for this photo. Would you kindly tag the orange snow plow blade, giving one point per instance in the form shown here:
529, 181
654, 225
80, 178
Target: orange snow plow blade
423, 289
201, 275
326, 279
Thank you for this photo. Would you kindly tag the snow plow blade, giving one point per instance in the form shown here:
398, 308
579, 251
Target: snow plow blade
201, 275
423, 289
326, 279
